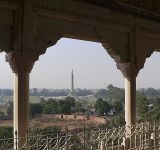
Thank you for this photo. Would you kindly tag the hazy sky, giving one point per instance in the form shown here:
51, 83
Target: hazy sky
93, 68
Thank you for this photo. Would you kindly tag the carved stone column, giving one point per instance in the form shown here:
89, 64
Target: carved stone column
130, 72
130, 100
21, 66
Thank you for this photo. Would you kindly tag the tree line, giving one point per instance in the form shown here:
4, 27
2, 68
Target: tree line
70, 106
50, 106
111, 98
148, 108
48, 92
53, 106
111, 92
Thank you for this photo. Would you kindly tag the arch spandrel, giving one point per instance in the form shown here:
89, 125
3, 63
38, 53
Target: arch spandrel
42, 43
147, 42
115, 41
131, 49
117, 45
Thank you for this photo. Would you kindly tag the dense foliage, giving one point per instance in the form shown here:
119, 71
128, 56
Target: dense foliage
102, 107
111, 98
35, 109
118, 106
6, 132
112, 94
47, 130
148, 107
142, 105
53, 106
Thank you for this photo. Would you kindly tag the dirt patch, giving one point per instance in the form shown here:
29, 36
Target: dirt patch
49, 122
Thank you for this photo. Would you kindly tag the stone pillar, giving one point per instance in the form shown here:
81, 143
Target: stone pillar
130, 111
130, 74
21, 102
130, 101
21, 67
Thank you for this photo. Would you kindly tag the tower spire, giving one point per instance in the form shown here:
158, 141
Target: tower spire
72, 85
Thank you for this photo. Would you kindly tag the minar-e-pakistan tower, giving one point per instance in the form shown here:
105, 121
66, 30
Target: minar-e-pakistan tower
72, 85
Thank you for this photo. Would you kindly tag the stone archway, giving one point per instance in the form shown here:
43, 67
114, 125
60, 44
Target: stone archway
29, 27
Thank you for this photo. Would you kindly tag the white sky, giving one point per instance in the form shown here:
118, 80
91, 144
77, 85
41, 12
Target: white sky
93, 68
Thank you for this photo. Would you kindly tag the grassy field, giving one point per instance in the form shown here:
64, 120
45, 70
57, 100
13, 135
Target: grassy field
32, 99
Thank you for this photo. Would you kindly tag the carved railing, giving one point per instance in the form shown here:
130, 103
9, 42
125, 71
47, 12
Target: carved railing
144, 136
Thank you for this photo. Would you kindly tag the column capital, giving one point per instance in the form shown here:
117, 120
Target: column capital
128, 69
21, 62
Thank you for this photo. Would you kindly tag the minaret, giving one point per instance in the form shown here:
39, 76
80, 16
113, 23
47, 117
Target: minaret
72, 85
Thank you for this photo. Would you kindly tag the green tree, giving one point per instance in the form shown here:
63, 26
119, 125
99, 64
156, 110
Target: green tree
142, 105
50, 106
112, 94
77, 107
70, 101
6, 132
118, 120
155, 111
35, 109
118, 106
64, 107
102, 93
102, 107
48, 130
151, 92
